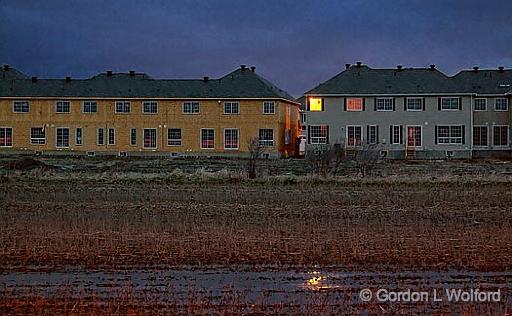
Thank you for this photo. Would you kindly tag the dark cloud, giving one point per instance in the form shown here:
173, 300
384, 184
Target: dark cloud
296, 44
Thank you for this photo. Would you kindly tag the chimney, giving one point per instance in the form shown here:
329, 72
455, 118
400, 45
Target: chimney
358, 64
7, 67
34, 79
432, 67
205, 79
68, 79
243, 67
399, 67
475, 69
501, 68
132, 73
347, 66
109, 73
253, 68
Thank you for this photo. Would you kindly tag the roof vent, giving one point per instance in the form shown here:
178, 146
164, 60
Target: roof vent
347, 66
501, 68
205, 79
109, 73
243, 67
7, 67
475, 69
253, 68
68, 79
34, 79
399, 67
432, 67
132, 73
359, 64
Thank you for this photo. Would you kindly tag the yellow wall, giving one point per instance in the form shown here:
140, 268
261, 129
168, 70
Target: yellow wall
170, 115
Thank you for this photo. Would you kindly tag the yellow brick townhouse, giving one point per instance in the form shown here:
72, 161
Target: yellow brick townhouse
133, 114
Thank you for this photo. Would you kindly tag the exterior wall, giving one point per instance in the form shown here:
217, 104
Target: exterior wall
338, 119
170, 115
490, 118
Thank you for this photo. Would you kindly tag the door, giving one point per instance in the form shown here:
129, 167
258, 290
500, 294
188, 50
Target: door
414, 136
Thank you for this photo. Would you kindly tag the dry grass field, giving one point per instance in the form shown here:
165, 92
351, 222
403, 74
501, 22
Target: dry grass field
456, 217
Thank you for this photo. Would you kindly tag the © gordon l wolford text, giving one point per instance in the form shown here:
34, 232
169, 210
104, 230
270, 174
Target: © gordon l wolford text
434, 295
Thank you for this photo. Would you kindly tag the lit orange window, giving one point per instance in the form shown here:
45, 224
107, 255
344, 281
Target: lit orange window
315, 104
354, 104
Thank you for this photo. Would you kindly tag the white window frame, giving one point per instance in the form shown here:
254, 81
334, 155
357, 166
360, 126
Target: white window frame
318, 139
496, 104
384, 105
132, 143
151, 104
421, 135
231, 105
57, 137
111, 129
266, 142
180, 140
450, 109
394, 129
237, 139
201, 138
124, 104
356, 144
143, 137
192, 108
487, 138
450, 137
98, 136
408, 109
5, 128
62, 103
90, 106
267, 105
81, 142
24, 105
370, 127
508, 136
37, 140
355, 110
480, 99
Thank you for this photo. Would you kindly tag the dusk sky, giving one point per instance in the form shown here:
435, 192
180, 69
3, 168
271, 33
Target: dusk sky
294, 44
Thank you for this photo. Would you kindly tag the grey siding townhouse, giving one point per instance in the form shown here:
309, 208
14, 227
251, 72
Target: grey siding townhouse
413, 112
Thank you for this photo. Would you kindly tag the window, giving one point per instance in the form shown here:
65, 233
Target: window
133, 136
149, 138
269, 107
266, 137
111, 136
414, 104
316, 104
21, 107
62, 137
123, 107
480, 104
354, 104
79, 136
101, 136
318, 134
450, 104
501, 104
174, 137
207, 138
37, 136
231, 108
191, 107
450, 134
150, 107
5, 136
90, 107
373, 134
480, 136
500, 135
384, 104
287, 136
414, 136
354, 135
231, 138
62, 107
396, 134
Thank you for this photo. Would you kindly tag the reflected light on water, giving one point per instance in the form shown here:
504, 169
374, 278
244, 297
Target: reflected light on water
317, 281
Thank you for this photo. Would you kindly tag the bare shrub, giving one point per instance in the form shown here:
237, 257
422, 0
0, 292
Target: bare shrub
366, 158
256, 150
325, 160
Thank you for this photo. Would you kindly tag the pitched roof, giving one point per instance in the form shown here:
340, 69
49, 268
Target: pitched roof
241, 83
9, 73
365, 80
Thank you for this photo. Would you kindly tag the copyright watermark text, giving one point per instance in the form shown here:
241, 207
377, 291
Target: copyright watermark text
434, 295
